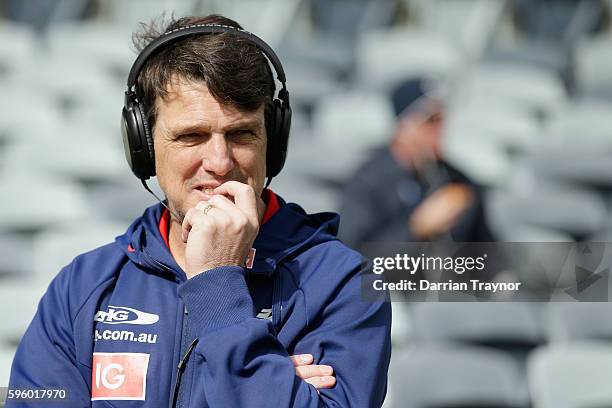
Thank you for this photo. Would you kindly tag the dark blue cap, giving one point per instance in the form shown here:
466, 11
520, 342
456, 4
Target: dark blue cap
406, 93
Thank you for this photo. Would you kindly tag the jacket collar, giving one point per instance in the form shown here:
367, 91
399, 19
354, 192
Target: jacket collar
286, 232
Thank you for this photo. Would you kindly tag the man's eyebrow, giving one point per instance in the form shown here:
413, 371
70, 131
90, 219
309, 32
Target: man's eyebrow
253, 124
243, 124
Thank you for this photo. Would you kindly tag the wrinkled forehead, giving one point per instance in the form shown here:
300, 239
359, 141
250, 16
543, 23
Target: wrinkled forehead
188, 102
178, 85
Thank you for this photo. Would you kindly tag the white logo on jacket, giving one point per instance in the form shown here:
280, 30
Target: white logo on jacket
125, 315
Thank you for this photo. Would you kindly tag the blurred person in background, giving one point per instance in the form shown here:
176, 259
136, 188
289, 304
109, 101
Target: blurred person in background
406, 191
223, 295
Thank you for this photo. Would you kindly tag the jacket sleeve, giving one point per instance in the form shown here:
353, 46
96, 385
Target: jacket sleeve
45, 358
242, 363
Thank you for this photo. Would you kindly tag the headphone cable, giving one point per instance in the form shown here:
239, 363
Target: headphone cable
144, 183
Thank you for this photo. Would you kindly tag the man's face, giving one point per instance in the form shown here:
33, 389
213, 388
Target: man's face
200, 144
418, 137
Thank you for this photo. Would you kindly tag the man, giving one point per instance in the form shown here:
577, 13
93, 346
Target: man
407, 191
171, 313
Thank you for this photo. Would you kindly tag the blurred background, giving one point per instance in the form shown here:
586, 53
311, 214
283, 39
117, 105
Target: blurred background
526, 87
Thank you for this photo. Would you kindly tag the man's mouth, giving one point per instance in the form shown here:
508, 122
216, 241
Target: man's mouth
206, 190
207, 187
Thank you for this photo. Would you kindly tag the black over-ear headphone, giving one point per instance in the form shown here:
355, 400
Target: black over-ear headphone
138, 137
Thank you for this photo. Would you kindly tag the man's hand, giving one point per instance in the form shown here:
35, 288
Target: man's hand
441, 211
321, 376
220, 232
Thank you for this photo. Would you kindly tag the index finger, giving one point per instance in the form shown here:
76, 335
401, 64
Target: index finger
244, 198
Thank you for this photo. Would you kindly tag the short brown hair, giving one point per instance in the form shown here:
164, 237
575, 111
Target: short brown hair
235, 71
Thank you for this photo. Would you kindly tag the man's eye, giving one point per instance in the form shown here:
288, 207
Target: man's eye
188, 138
243, 134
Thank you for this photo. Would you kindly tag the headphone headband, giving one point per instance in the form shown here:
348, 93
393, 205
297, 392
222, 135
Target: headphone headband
179, 33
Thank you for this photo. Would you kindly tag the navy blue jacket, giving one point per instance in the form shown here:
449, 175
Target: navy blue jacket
116, 323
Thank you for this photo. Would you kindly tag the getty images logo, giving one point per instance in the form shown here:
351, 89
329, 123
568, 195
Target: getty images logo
125, 315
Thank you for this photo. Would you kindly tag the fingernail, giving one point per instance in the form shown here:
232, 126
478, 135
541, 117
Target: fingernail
326, 370
328, 379
305, 358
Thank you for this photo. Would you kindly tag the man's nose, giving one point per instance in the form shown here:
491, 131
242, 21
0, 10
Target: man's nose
218, 155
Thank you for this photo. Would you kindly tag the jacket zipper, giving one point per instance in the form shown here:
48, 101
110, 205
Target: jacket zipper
184, 352
277, 303
176, 400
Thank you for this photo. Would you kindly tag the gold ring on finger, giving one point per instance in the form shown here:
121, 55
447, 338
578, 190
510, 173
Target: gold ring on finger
207, 208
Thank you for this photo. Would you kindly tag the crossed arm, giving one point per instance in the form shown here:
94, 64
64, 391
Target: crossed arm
320, 376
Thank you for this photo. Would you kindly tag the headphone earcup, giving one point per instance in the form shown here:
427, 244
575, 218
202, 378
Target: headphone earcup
270, 113
137, 141
278, 137
284, 132
148, 137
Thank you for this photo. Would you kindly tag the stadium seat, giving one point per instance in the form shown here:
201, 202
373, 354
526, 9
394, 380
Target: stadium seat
16, 256
271, 20
361, 119
17, 49
573, 321
439, 15
526, 233
6, 359
479, 21
311, 194
384, 57
130, 14
33, 201
538, 89
18, 303
575, 211
571, 376
479, 158
310, 83
348, 17
68, 80
108, 45
560, 21
345, 127
584, 124
402, 326
41, 14
550, 56
81, 156
321, 164
508, 126
57, 247
506, 325
105, 198
305, 52
424, 376
591, 58
583, 165
27, 113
